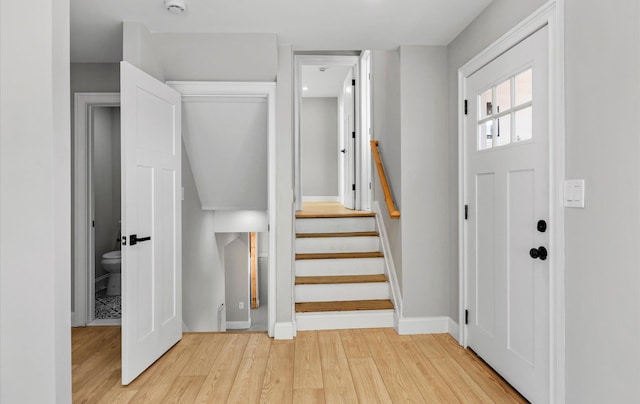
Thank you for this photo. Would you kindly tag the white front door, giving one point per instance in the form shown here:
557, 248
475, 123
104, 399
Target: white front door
151, 212
507, 192
349, 124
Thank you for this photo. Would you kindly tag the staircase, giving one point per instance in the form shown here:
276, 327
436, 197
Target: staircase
340, 273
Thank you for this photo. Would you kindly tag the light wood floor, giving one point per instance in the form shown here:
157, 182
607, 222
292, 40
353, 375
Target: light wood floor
328, 209
347, 366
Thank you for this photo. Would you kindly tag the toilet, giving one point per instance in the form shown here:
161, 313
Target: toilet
111, 263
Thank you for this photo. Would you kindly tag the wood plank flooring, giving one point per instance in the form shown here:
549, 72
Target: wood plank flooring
329, 210
345, 366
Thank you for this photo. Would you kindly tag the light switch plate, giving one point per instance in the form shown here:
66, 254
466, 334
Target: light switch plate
574, 193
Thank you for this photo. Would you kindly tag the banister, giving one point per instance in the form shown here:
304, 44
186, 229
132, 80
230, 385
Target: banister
391, 206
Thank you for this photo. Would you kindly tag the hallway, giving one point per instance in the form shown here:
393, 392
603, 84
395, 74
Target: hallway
316, 367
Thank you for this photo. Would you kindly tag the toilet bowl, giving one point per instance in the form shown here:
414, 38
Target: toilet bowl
111, 263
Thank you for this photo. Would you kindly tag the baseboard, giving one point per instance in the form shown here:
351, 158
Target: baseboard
238, 325
284, 331
74, 320
425, 325
454, 329
320, 199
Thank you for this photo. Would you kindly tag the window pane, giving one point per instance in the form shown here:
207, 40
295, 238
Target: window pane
524, 125
503, 131
524, 83
503, 97
485, 135
485, 103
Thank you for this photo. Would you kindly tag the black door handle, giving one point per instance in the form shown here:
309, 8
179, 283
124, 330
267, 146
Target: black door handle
133, 239
539, 252
343, 151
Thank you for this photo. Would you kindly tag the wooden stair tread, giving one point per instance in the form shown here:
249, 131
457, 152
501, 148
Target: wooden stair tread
353, 305
321, 280
320, 256
326, 235
316, 215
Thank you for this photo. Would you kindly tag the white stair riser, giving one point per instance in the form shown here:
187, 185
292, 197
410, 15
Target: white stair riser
344, 320
340, 267
336, 225
337, 244
342, 292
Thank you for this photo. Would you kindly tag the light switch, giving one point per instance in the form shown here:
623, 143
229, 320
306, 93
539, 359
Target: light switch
241, 305
574, 193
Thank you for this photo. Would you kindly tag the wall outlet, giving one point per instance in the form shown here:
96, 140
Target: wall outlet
241, 305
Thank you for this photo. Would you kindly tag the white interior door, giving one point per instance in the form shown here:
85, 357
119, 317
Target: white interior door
151, 210
349, 142
507, 192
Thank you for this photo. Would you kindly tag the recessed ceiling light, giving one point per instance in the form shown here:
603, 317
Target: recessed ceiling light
305, 88
176, 7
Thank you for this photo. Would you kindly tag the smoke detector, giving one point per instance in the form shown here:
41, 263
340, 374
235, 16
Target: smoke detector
176, 7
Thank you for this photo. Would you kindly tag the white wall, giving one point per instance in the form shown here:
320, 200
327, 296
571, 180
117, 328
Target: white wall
386, 105
284, 187
35, 202
603, 147
425, 181
201, 56
319, 146
202, 269
236, 267
226, 140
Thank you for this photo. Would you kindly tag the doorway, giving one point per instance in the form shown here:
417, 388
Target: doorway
331, 150
96, 207
512, 229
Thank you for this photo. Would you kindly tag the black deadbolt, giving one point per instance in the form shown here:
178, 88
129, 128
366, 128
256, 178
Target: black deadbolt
539, 252
542, 226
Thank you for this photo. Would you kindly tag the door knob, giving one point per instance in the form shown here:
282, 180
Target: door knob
343, 151
539, 252
134, 239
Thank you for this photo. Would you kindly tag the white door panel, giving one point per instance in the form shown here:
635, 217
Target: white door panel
507, 190
151, 184
349, 142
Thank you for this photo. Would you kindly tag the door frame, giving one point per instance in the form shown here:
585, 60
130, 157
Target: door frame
551, 14
82, 234
363, 171
259, 90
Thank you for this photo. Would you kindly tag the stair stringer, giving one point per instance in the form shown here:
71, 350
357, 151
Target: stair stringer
389, 266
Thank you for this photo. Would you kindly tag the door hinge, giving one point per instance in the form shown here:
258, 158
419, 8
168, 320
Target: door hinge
466, 317
268, 227
369, 76
466, 107
353, 187
93, 223
353, 135
369, 185
353, 82
466, 212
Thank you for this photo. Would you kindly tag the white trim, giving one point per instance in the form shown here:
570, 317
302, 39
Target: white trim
365, 166
454, 329
99, 322
345, 320
284, 330
551, 14
261, 90
238, 325
83, 282
390, 268
320, 60
424, 325
320, 199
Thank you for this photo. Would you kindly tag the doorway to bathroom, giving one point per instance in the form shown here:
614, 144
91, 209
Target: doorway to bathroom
97, 209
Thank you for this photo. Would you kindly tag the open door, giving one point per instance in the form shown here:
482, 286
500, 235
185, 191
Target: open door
151, 220
349, 133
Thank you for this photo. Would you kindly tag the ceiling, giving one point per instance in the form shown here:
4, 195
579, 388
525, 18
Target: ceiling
96, 30
323, 84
